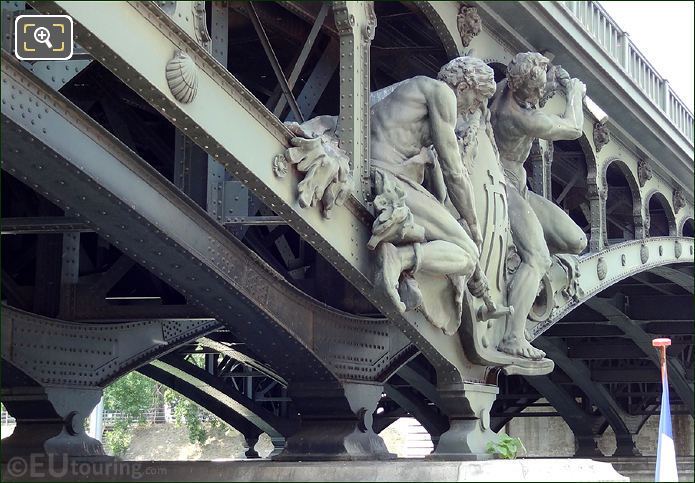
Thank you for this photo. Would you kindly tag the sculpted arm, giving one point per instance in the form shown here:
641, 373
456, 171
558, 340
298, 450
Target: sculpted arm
551, 127
441, 104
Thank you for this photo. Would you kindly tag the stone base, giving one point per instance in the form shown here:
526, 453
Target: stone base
264, 470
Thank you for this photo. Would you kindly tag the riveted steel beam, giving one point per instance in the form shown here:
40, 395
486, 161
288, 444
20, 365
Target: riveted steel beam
581, 376
84, 169
192, 390
45, 224
600, 270
272, 58
643, 340
238, 355
221, 98
55, 352
301, 60
230, 396
356, 24
681, 279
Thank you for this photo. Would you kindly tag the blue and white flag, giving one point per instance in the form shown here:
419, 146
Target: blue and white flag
666, 451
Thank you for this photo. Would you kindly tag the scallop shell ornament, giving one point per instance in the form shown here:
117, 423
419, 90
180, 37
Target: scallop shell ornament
182, 77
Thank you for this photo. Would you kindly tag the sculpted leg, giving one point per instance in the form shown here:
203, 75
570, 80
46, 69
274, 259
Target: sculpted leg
561, 232
535, 261
448, 249
437, 257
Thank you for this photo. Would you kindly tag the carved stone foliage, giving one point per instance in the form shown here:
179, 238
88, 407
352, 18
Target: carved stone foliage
644, 171
468, 23
678, 200
315, 152
601, 135
395, 223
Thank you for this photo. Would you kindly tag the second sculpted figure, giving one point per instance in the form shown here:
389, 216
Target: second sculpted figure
539, 227
415, 230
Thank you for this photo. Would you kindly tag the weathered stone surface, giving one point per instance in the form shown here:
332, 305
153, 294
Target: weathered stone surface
401, 470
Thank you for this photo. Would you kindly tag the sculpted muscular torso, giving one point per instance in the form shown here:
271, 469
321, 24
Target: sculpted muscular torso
419, 113
539, 227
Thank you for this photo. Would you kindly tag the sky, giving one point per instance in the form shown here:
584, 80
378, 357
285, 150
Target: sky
664, 33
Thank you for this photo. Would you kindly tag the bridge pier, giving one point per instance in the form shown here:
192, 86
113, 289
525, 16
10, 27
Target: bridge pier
336, 423
625, 445
586, 446
467, 407
50, 421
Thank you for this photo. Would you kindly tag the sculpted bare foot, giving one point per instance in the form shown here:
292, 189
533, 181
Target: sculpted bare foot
388, 272
410, 294
520, 347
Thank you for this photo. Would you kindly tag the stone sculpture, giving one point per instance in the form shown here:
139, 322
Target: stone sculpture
316, 153
678, 200
433, 157
644, 172
539, 228
415, 230
601, 135
468, 23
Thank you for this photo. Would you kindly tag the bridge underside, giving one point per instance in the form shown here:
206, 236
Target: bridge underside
115, 216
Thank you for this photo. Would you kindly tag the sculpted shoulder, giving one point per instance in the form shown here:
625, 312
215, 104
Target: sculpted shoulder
427, 87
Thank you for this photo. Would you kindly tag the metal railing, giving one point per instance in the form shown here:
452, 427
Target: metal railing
617, 44
6, 419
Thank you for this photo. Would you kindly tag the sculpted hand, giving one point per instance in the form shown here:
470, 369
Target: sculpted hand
478, 285
561, 76
575, 85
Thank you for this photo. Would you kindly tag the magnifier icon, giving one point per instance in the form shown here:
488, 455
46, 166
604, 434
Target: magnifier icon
43, 36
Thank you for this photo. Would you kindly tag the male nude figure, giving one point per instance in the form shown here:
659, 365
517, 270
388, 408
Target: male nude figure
539, 227
419, 113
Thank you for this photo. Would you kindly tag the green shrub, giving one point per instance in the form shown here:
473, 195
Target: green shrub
118, 439
505, 447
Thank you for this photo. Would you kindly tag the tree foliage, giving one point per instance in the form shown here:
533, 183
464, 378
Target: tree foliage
134, 394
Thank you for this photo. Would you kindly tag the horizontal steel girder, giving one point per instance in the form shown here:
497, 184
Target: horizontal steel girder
233, 127
621, 261
78, 165
55, 352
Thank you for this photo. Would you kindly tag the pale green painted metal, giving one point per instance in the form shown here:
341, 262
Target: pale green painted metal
621, 261
237, 130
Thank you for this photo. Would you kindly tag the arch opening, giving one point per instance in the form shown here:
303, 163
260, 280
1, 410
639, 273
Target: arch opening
569, 182
689, 228
661, 218
622, 204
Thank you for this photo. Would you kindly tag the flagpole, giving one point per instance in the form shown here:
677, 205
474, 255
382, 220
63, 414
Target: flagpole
666, 452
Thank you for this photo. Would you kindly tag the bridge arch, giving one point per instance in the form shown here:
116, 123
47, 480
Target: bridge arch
687, 227
622, 202
659, 217
442, 16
